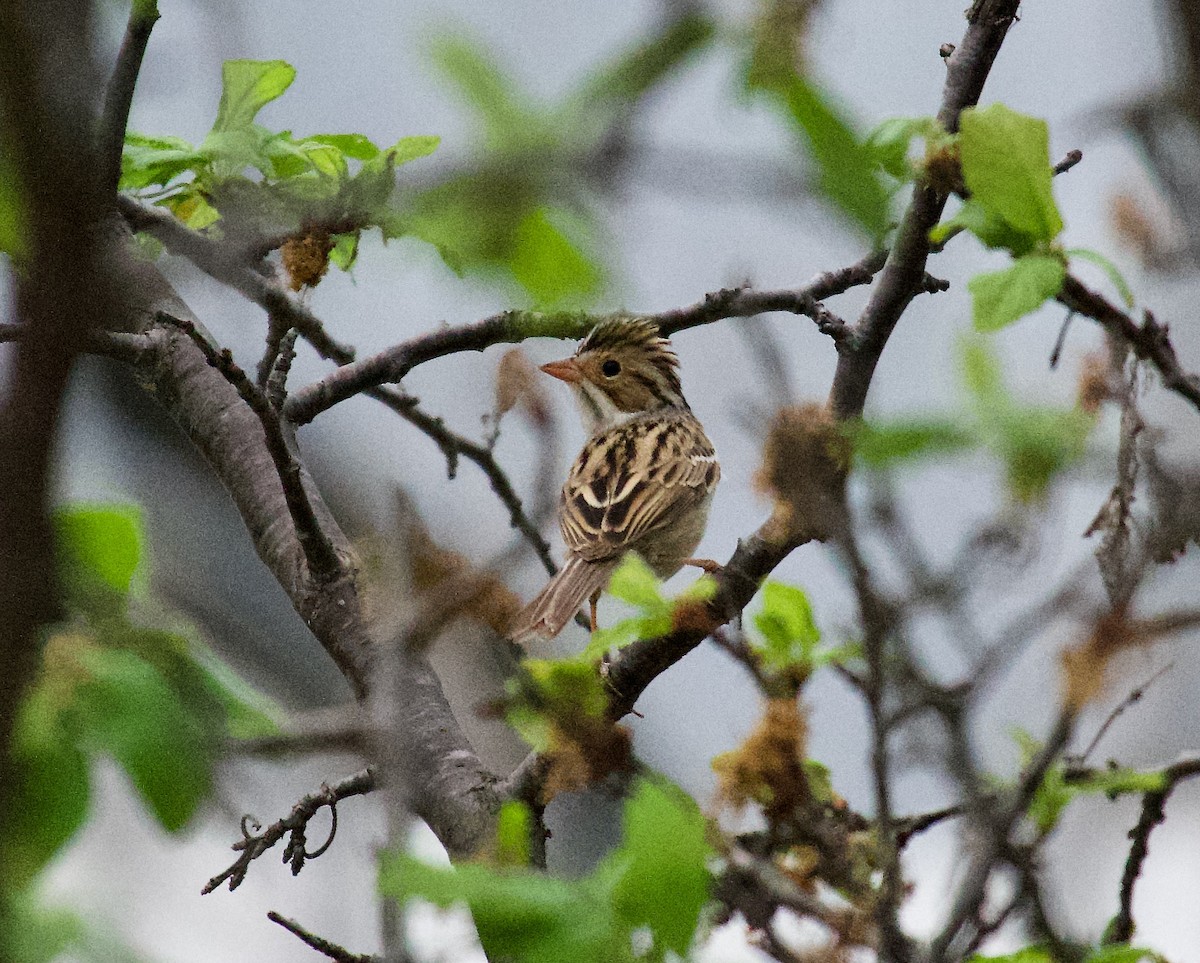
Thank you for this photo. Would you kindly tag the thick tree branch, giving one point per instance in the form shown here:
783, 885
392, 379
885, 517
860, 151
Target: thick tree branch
901, 278
143, 14
323, 560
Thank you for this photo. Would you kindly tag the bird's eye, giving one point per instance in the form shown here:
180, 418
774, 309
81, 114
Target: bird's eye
611, 368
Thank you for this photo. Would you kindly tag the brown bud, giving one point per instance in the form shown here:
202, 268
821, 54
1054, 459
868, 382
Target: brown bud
306, 258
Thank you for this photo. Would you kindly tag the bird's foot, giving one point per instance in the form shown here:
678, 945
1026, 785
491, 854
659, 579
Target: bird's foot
711, 567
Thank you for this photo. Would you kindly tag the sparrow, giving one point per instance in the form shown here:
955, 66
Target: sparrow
643, 481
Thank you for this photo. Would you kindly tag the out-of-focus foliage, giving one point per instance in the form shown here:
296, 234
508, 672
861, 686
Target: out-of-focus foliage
259, 186
788, 640
111, 684
11, 226
1102, 954
514, 211
1034, 442
847, 170
656, 881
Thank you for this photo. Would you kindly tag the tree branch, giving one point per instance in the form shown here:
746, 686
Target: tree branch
319, 943
394, 363
1148, 340
143, 14
223, 264
323, 560
251, 846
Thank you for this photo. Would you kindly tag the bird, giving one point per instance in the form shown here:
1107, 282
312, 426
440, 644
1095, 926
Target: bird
643, 481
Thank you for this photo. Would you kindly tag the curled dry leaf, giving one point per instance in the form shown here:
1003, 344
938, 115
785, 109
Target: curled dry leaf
517, 383
306, 258
805, 461
1095, 383
768, 768
1085, 665
1137, 230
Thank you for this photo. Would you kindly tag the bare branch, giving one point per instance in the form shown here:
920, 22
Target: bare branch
1148, 340
251, 846
320, 944
323, 560
1153, 813
143, 14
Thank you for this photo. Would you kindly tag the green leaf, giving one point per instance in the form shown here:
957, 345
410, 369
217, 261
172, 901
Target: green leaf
1030, 954
1122, 954
1108, 268
484, 87
786, 622
890, 141
128, 710
345, 250
12, 210
981, 372
549, 689
101, 543
1006, 166
52, 792
156, 160
522, 916
232, 151
846, 168
514, 824
880, 444
358, 146
412, 148
248, 86
660, 867
32, 933
986, 225
635, 72
635, 583
1001, 297
548, 264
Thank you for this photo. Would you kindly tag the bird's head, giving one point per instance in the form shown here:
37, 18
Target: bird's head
621, 369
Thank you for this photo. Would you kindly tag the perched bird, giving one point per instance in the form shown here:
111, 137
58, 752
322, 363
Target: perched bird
642, 482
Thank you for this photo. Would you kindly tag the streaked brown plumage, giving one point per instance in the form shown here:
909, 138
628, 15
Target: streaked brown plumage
642, 482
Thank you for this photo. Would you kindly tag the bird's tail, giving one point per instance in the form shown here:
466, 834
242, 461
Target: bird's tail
557, 603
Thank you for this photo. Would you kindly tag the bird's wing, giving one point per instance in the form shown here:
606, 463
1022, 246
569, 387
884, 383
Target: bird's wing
632, 480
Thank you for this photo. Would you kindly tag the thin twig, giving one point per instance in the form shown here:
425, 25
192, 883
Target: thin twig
1153, 813
143, 14
1134, 697
251, 846
453, 445
319, 943
1149, 340
322, 558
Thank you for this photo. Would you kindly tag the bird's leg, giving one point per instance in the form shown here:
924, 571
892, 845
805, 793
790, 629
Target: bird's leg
592, 603
711, 567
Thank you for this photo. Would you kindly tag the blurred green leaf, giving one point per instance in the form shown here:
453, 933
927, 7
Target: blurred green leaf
1006, 166
100, 543
156, 160
981, 372
32, 933
1123, 954
1107, 266
345, 250
51, 796
514, 824
889, 142
12, 207
507, 117
635, 583
628, 77
986, 225
1030, 954
1001, 297
846, 172
662, 880
128, 710
247, 87
549, 265
549, 689
787, 625
881, 444
656, 878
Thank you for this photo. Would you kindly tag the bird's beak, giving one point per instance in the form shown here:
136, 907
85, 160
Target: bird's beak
566, 370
